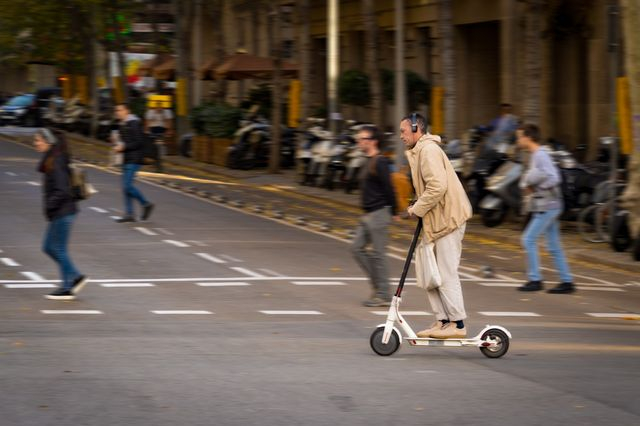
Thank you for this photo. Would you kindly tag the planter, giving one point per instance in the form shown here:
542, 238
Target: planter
203, 148
220, 149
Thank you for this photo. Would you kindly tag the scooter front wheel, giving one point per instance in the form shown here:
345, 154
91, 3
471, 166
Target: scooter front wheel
502, 343
380, 348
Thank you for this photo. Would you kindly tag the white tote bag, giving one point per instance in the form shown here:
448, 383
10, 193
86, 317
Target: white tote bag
427, 272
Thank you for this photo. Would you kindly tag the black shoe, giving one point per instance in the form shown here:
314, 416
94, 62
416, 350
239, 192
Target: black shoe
126, 219
531, 286
146, 212
79, 283
60, 294
376, 302
562, 288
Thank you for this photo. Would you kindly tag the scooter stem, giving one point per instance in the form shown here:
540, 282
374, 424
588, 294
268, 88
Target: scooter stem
407, 262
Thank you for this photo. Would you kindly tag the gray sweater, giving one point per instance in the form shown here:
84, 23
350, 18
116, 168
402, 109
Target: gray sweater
544, 178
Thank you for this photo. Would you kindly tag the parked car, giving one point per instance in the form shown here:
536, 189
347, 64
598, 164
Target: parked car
28, 109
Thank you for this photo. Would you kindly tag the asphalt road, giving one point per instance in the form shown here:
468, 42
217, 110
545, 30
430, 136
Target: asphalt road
209, 315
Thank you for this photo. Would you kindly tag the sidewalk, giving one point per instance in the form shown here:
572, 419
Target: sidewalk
268, 185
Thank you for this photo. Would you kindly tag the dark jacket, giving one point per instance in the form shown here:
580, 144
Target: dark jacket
377, 189
58, 199
132, 134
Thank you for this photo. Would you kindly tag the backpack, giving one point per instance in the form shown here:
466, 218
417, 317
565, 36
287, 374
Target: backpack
81, 189
400, 183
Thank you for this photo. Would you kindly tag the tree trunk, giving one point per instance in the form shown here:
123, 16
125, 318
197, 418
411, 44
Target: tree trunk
119, 45
448, 68
631, 196
531, 107
276, 109
371, 60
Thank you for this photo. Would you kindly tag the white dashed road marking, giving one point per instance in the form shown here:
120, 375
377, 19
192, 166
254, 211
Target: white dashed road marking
145, 231
11, 174
98, 210
182, 312
247, 272
176, 243
71, 312
500, 284
33, 276
404, 313
30, 286
223, 284
291, 312
613, 315
8, 261
509, 314
33, 183
210, 258
270, 272
318, 283
125, 285
230, 258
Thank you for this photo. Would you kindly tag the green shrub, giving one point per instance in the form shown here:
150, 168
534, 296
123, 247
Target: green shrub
353, 88
215, 119
418, 89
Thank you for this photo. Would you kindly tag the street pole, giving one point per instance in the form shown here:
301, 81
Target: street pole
197, 27
400, 81
612, 141
333, 64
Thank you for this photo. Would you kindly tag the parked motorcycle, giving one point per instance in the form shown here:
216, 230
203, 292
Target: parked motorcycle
252, 146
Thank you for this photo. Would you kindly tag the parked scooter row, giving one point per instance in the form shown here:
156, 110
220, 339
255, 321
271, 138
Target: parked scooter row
251, 147
73, 116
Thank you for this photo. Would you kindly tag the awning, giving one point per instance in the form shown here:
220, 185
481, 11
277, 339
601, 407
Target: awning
241, 66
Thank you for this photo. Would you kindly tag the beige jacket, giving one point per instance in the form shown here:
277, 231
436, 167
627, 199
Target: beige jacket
442, 201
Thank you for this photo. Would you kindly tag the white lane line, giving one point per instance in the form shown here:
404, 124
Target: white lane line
8, 261
176, 243
468, 276
291, 312
197, 243
30, 286
613, 315
126, 285
115, 217
230, 258
11, 174
404, 313
32, 183
248, 272
270, 272
164, 231
224, 284
182, 312
499, 257
99, 210
210, 258
609, 283
33, 276
318, 283
71, 312
144, 230
509, 314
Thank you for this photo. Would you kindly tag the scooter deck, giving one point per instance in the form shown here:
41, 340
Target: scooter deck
428, 341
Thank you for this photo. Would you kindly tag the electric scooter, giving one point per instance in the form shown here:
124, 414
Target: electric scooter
386, 339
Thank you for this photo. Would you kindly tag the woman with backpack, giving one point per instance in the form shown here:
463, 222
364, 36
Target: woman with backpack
59, 209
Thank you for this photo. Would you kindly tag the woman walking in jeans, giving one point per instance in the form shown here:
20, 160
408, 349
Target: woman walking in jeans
60, 209
542, 184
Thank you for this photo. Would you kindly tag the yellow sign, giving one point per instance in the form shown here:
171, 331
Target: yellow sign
159, 101
624, 114
181, 97
437, 114
294, 103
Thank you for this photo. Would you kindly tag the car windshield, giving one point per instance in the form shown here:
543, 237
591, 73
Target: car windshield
21, 101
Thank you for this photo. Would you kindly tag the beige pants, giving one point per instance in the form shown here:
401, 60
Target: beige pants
446, 301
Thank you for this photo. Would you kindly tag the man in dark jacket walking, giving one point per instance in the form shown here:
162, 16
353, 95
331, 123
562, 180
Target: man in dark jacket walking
132, 136
379, 204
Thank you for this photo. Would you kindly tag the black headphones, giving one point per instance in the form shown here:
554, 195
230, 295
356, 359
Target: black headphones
414, 123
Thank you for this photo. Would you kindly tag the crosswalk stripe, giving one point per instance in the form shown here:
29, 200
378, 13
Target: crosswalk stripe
71, 312
8, 261
30, 286
404, 313
33, 276
291, 312
509, 314
176, 243
247, 272
182, 312
145, 231
318, 283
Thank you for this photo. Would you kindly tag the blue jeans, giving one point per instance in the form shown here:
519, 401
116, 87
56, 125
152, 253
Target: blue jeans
55, 245
130, 192
547, 223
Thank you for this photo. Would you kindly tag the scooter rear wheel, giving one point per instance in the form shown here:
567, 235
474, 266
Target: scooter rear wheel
502, 343
380, 348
